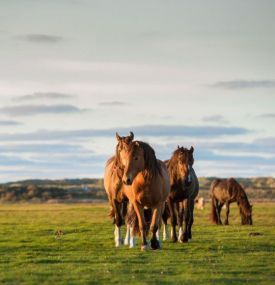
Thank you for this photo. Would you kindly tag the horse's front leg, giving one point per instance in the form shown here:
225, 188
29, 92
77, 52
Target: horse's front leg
184, 237
154, 227
118, 223
220, 205
142, 225
171, 206
191, 218
180, 219
226, 222
165, 217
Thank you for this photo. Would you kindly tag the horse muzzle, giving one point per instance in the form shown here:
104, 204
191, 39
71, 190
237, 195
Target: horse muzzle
127, 181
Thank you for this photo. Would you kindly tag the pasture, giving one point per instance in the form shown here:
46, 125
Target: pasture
73, 244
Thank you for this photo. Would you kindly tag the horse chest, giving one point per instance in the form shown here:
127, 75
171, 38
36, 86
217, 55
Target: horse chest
178, 194
144, 197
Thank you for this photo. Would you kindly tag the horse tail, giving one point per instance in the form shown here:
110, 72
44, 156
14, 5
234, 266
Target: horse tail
132, 220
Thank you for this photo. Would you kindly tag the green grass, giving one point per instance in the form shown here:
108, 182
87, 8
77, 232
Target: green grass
31, 253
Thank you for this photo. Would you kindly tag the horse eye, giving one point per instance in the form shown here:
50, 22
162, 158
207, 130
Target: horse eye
136, 158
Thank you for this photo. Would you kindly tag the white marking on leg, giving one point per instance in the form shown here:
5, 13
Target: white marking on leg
157, 234
132, 242
171, 232
127, 237
180, 234
165, 232
118, 240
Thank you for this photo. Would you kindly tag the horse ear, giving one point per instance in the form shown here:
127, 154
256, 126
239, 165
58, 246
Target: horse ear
178, 147
118, 137
137, 143
131, 135
191, 149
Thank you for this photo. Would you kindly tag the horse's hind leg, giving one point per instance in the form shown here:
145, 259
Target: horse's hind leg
226, 222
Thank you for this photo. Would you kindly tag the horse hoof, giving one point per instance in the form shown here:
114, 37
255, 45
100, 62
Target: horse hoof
184, 238
119, 242
132, 243
174, 239
155, 244
144, 247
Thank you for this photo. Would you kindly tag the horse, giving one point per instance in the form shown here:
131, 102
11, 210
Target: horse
184, 189
113, 186
227, 191
200, 203
147, 187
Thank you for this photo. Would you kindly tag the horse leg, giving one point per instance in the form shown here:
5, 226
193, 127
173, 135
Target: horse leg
142, 225
180, 219
165, 216
118, 223
226, 222
127, 236
184, 237
171, 206
219, 212
154, 227
191, 219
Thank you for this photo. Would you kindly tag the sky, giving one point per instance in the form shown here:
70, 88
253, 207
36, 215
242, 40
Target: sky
189, 73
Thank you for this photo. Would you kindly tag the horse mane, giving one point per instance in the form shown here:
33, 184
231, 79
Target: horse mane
172, 166
152, 167
241, 197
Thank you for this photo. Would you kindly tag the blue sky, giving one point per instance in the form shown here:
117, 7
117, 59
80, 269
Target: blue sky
74, 72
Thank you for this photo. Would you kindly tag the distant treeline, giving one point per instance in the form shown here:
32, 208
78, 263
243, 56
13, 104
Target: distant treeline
76, 190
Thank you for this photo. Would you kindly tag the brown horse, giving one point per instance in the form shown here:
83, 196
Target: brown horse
113, 185
184, 189
148, 186
227, 191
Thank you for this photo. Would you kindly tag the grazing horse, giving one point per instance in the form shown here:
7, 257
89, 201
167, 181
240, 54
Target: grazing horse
184, 189
148, 187
113, 185
227, 191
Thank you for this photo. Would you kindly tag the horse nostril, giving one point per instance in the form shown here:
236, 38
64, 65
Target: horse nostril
128, 181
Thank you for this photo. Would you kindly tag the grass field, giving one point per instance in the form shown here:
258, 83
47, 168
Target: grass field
32, 253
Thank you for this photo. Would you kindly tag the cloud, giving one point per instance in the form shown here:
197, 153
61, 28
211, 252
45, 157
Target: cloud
30, 110
139, 131
42, 148
42, 95
9, 123
41, 38
113, 103
214, 119
267, 116
244, 84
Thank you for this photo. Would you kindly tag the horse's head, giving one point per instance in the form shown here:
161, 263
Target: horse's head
185, 161
123, 145
247, 216
133, 161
